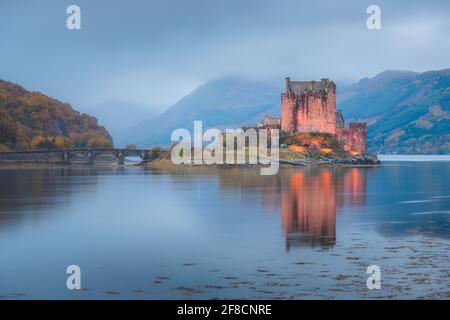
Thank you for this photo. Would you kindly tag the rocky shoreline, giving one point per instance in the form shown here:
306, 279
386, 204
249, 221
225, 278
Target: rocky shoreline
363, 160
367, 160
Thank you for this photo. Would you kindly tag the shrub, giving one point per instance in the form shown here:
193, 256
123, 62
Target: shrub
3, 148
40, 142
99, 142
155, 152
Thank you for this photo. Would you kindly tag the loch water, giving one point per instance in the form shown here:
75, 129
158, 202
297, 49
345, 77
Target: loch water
205, 233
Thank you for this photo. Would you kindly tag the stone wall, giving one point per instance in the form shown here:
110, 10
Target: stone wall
309, 111
317, 113
354, 137
288, 112
32, 157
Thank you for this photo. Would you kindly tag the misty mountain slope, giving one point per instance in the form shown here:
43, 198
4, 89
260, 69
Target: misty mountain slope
371, 98
226, 102
120, 117
407, 111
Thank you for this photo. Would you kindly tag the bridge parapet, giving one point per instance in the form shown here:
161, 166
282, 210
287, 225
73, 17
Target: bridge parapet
84, 155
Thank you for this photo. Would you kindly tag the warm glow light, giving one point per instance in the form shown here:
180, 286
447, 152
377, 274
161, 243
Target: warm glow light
326, 150
297, 148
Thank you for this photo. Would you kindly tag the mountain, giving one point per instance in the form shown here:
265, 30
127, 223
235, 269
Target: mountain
33, 120
120, 117
407, 112
226, 102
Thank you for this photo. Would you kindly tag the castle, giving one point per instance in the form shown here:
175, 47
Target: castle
310, 106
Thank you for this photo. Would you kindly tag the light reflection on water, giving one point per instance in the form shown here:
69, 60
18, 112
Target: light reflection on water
226, 233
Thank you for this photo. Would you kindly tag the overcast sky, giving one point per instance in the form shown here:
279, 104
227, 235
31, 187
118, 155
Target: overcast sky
153, 52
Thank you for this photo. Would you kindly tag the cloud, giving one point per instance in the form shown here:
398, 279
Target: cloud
154, 52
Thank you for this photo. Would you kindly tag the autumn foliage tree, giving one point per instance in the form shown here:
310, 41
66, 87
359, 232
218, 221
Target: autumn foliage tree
99, 142
31, 120
40, 142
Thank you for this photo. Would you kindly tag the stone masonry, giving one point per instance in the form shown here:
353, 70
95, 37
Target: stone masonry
310, 106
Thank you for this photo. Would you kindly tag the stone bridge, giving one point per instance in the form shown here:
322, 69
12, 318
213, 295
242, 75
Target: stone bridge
79, 155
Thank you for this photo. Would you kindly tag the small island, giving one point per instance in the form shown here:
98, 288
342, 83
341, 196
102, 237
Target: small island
311, 130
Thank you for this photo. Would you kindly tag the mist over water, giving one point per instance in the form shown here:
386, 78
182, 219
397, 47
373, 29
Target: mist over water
225, 233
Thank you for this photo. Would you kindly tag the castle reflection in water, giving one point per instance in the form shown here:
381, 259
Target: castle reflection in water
309, 204
307, 199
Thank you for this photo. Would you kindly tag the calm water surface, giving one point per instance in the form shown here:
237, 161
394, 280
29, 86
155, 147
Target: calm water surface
226, 233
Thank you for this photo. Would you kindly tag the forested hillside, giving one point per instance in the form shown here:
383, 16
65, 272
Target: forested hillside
407, 112
31, 120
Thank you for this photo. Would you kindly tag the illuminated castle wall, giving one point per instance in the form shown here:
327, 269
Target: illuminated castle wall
310, 106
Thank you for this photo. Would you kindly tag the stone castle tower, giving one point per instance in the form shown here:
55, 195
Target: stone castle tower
310, 106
